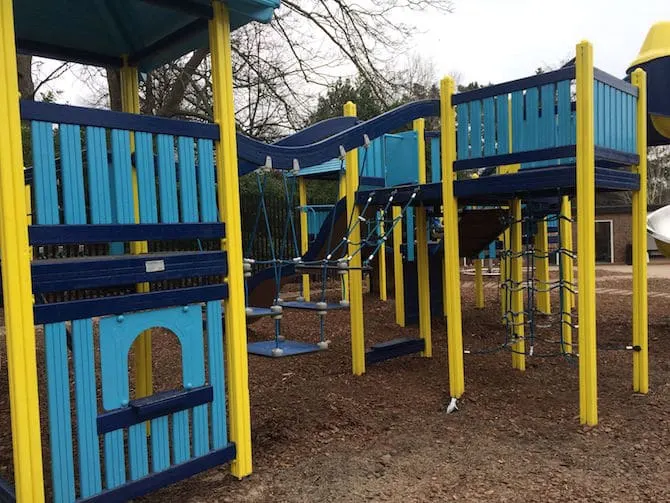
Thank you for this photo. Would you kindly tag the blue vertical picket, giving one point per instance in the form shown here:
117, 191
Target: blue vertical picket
435, 161
409, 233
217, 375
531, 136
476, 129
599, 110
619, 121
517, 122
502, 114
187, 180
489, 127
146, 178
167, 180
548, 117
206, 181
55, 335
98, 176
462, 131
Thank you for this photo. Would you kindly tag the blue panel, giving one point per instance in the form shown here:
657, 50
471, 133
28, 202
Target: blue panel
60, 427
206, 181
531, 137
475, 129
167, 180
489, 127
122, 186
401, 158
146, 178
83, 358
74, 202
138, 453
502, 112
614, 82
67, 114
435, 160
217, 377
548, 119
98, 176
409, 233
599, 112
462, 132
44, 173
188, 191
517, 122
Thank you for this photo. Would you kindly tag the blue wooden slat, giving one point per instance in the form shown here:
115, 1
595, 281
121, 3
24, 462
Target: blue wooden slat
74, 202
517, 122
167, 180
188, 191
609, 115
122, 185
462, 132
146, 178
489, 127
217, 376
619, 121
160, 444
83, 358
60, 425
44, 172
475, 129
599, 126
531, 137
98, 176
435, 161
548, 118
207, 181
502, 113
614, 82
138, 452
409, 233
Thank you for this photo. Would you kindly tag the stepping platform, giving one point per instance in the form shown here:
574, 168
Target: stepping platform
393, 349
288, 348
258, 312
312, 306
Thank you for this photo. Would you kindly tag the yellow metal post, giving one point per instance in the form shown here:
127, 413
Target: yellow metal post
398, 276
479, 283
423, 275
452, 268
517, 319
586, 235
304, 237
16, 279
543, 298
565, 224
130, 102
355, 274
228, 195
640, 313
382, 259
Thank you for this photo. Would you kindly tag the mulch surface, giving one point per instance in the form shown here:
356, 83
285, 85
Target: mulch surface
321, 434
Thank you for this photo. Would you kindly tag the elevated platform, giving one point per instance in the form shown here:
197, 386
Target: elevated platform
498, 189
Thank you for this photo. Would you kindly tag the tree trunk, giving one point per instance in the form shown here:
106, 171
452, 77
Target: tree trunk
114, 86
25, 75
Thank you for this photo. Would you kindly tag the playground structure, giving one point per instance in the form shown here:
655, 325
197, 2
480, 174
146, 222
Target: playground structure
132, 182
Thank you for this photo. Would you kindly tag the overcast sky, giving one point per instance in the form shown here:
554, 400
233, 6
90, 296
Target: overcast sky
499, 40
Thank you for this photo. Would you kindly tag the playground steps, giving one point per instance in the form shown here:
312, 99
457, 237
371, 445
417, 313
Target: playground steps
394, 348
313, 306
288, 348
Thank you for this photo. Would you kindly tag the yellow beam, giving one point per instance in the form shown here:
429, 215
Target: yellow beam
640, 314
566, 273
452, 268
130, 103
479, 283
16, 279
398, 277
586, 235
543, 298
382, 260
228, 196
423, 275
519, 347
355, 273
304, 236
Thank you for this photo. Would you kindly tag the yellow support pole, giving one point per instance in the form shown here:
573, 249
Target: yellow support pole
398, 276
566, 273
228, 195
518, 319
543, 298
423, 274
479, 283
130, 103
586, 235
304, 237
16, 279
452, 269
640, 307
355, 274
382, 260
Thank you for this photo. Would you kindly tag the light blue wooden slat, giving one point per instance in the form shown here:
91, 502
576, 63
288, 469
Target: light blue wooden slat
476, 129
72, 169
188, 191
122, 185
462, 131
517, 122
83, 358
167, 180
502, 113
217, 376
532, 136
548, 118
609, 108
625, 140
146, 178
620, 121
597, 112
435, 162
44, 172
634, 125
632, 120
98, 176
160, 444
409, 233
489, 127
138, 453
60, 425
207, 181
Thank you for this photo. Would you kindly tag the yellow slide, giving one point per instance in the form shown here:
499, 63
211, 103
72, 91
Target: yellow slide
658, 225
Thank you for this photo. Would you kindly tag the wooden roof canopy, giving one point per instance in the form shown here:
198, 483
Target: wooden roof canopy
100, 32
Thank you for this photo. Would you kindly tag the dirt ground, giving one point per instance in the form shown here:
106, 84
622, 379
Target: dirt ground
323, 435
